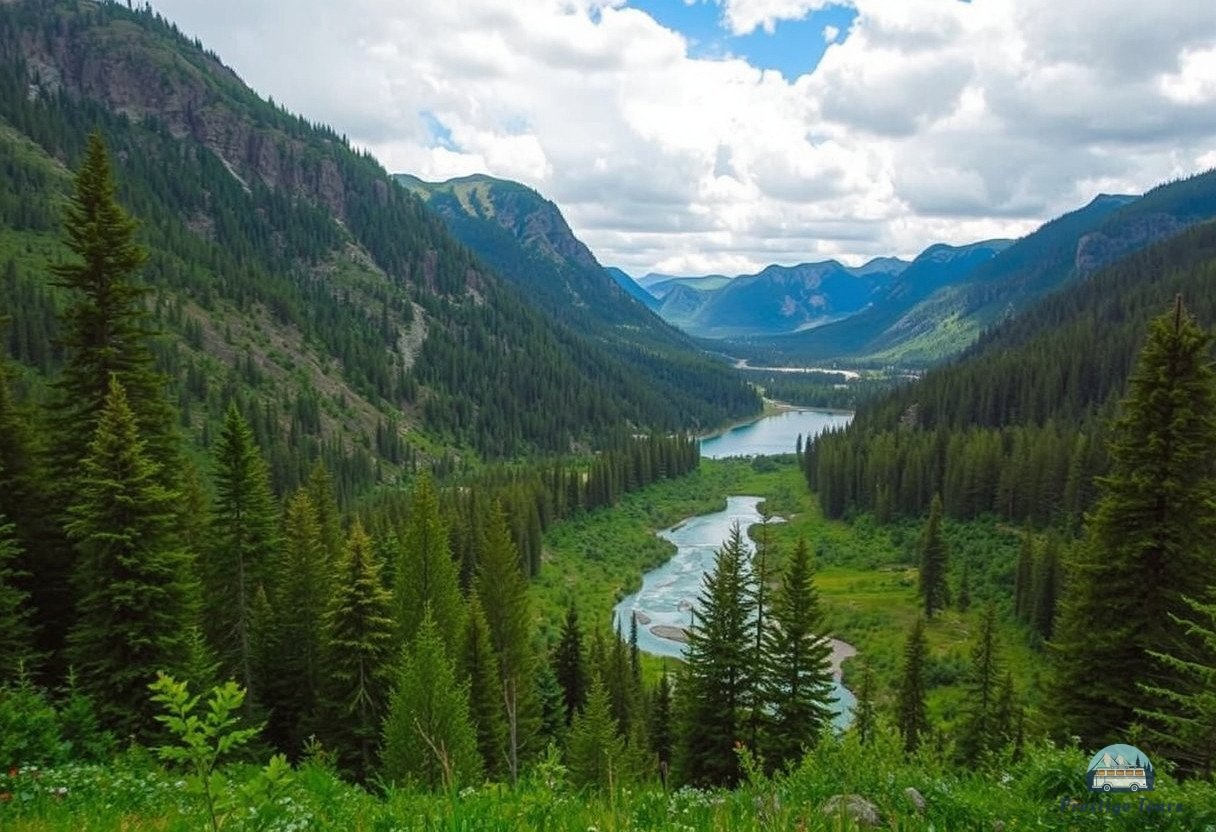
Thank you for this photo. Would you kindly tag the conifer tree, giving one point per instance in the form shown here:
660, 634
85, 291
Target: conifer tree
1149, 540
359, 642
964, 588
1008, 713
865, 717
568, 663
426, 575
16, 635
320, 487
1183, 723
479, 666
501, 588
1023, 580
301, 589
244, 541
933, 561
911, 716
662, 735
429, 738
797, 662
719, 675
981, 731
136, 599
552, 701
1046, 588
596, 750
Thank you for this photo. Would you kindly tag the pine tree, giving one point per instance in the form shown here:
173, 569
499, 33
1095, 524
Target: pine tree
1023, 579
136, 600
568, 664
1046, 588
865, 717
1184, 722
426, 576
1149, 540
429, 738
552, 701
359, 642
301, 589
980, 732
662, 737
797, 660
479, 666
719, 674
596, 750
911, 716
502, 590
16, 636
933, 561
1007, 713
244, 541
320, 488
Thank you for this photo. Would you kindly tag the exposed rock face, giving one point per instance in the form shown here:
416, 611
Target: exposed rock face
853, 806
1101, 249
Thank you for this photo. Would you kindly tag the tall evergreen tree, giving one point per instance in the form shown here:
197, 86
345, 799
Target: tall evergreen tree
1149, 539
426, 576
1023, 579
662, 727
934, 563
911, 716
963, 600
719, 674
136, 599
359, 641
244, 541
502, 590
16, 636
479, 665
301, 589
865, 717
1046, 588
981, 731
797, 662
429, 738
596, 751
568, 663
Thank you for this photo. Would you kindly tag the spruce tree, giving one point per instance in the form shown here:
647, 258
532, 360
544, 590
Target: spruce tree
136, 601
301, 588
596, 751
911, 717
1183, 722
16, 635
1046, 588
502, 589
479, 667
662, 734
359, 635
980, 732
429, 739
719, 675
934, 563
243, 543
552, 702
1023, 579
797, 662
865, 717
426, 575
1149, 540
568, 663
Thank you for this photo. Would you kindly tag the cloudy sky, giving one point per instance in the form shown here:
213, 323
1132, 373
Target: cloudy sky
694, 136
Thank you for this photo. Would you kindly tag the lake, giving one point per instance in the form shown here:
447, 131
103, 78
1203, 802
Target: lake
669, 592
775, 434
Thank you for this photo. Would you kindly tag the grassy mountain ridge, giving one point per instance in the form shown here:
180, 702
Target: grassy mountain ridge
289, 271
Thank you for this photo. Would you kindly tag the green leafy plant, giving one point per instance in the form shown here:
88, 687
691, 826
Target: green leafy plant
205, 738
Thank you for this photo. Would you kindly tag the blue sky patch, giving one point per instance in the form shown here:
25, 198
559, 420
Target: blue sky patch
794, 48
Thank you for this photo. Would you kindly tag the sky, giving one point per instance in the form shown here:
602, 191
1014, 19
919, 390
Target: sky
702, 136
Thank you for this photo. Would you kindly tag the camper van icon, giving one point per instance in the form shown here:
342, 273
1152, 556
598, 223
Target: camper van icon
1120, 768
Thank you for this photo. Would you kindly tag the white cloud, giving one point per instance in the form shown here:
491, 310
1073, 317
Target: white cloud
831, 33
933, 120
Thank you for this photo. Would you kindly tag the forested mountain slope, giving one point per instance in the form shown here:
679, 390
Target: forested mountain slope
1015, 425
1066, 249
290, 272
525, 238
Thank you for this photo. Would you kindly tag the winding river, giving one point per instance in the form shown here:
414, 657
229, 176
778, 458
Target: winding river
668, 593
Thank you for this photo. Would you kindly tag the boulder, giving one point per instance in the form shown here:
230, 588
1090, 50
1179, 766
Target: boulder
915, 798
853, 806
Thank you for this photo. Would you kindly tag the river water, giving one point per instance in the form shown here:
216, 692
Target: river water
669, 592
775, 434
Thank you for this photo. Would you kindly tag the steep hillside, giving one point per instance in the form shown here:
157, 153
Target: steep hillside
525, 238
632, 287
1014, 426
290, 273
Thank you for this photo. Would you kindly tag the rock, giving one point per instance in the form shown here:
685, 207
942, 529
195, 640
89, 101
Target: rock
915, 798
641, 617
998, 826
853, 806
670, 633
